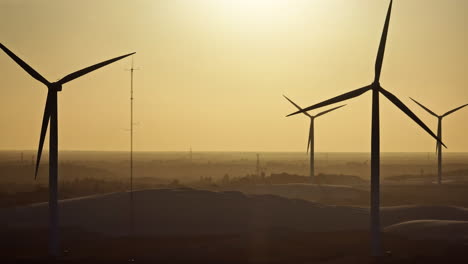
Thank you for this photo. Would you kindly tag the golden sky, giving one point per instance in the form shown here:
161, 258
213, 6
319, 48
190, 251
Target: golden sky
213, 72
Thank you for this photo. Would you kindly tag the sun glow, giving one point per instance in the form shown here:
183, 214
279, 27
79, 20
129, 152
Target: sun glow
256, 5
257, 12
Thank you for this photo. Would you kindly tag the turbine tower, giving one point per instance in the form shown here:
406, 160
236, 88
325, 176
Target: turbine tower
51, 113
311, 141
439, 135
376, 88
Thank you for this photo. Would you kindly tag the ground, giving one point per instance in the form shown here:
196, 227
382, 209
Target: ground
273, 246
85, 176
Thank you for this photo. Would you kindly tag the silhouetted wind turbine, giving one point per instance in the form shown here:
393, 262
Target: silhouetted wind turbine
439, 135
310, 141
50, 112
375, 141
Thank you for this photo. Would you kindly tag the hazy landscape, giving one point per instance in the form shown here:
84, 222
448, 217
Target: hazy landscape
215, 205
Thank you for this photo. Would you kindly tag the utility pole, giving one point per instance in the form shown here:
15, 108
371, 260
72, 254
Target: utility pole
191, 155
131, 130
191, 174
258, 165
132, 218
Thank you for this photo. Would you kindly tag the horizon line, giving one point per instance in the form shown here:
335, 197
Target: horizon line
232, 151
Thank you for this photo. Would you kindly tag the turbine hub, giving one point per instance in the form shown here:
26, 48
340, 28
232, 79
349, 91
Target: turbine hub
375, 85
56, 87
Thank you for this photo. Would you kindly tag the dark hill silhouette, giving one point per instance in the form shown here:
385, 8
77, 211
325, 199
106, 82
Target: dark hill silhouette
186, 211
282, 178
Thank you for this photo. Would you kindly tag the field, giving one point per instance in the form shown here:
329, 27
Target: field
215, 208
259, 247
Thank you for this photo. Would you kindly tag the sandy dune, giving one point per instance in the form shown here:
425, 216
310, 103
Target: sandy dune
448, 230
188, 211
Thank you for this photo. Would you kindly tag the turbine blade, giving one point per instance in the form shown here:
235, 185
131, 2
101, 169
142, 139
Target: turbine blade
45, 123
298, 107
25, 66
89, 69
383, 41
456, 109
425, 108
408, 112
336, 99
327, 111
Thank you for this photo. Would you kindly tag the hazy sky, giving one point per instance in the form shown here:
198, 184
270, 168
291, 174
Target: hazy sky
212, 72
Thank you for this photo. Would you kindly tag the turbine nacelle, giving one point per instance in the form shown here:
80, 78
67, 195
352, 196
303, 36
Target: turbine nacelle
56, 87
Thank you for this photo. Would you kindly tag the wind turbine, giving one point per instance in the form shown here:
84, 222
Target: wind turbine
376, 247
50, 113
310, 142
439, 135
